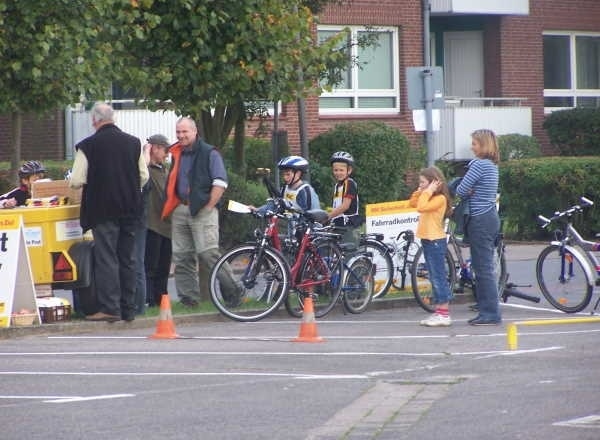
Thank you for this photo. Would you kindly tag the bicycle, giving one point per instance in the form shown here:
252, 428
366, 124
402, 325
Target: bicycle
458, 268
392, 260
567, 269
356, 293
357, 285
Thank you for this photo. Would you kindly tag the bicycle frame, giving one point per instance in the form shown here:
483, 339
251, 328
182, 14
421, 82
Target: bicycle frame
573, 243
271, 234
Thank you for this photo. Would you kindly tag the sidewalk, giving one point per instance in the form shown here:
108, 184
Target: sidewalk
515, 251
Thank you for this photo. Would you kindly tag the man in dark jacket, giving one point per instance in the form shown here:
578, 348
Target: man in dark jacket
110, 167
196, 183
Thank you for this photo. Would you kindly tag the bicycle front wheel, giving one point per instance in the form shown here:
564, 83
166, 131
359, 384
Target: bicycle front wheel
320, 275
358, 285
262, 277
421, 284
563, 279
404, 258
383, 264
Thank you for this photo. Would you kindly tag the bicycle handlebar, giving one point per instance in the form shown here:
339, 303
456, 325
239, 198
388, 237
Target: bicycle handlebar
585, 203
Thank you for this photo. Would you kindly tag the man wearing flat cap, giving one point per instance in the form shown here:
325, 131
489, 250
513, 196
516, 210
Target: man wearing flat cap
157, 260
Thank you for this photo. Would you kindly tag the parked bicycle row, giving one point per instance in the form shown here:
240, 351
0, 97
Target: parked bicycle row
315, 253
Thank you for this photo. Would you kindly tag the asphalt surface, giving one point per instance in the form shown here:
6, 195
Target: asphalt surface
378, 375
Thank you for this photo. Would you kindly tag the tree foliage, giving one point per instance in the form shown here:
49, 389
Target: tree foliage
203, 58
53, 51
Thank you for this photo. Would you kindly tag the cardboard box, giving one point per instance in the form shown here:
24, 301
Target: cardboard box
59, 188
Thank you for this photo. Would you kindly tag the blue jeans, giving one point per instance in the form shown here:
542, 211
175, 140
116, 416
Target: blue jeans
483, 230
435, 259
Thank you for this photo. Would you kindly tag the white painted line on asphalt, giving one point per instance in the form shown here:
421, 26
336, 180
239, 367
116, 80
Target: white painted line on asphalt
84, 399
592, 421
271, 353
174, 374
67, 399
37, 397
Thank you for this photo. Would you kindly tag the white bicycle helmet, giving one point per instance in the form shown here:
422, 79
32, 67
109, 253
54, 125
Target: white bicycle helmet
296, 163
342, 156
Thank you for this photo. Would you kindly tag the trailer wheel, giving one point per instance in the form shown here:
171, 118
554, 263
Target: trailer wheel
84, 289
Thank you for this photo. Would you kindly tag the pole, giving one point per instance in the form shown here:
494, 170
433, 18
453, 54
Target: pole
427, 84
275, 142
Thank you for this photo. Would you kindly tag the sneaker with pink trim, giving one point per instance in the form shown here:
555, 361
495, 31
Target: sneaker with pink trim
436, 320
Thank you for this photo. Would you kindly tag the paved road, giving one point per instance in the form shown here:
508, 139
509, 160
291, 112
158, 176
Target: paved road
378, 375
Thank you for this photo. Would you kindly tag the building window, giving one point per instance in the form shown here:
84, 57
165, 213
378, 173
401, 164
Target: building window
369, 85
571, 70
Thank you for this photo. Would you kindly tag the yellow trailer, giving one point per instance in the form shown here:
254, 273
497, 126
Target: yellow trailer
59, 253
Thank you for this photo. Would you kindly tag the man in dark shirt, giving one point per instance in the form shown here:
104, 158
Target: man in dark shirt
110, 167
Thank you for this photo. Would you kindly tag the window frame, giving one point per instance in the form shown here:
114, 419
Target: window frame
354, 92
572, 92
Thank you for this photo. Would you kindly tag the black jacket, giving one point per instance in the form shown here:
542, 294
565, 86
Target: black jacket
113, 183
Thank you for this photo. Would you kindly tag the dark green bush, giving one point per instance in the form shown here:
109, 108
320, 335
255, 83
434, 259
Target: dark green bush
530, 187
381, 153
575, 132
518, 146
236, 228
258, 154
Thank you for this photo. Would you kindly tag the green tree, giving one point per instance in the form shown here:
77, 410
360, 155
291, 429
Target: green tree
208, 58
53, 52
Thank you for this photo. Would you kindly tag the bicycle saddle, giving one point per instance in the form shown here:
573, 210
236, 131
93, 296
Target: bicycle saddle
316, 215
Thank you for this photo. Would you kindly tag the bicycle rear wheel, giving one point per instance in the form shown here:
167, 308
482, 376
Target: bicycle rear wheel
421, 285
358, 285
563, 280
384, 266
320, 275
500, 269
262, 276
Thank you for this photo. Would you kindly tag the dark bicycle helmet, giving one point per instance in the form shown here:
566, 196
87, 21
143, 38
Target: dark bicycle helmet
30, 168
342, 156
296, 163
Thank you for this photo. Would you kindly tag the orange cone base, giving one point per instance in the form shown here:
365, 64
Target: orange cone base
165, 327
308, 333
165, 330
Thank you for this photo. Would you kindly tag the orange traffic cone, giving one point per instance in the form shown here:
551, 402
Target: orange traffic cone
165, 327
308, 327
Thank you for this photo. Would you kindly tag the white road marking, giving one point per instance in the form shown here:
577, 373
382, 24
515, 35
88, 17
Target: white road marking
68, 399
277, 353
592, 421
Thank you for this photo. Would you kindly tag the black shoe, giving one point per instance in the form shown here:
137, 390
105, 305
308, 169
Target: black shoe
233, 299
189, 302
474, 307
481, 321
100, 316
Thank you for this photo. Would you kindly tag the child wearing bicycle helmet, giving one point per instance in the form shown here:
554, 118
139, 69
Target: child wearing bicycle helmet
296, 191
345, 204
432, 201
29, 172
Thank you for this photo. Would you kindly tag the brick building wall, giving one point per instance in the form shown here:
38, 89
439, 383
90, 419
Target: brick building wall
42, 137
521, 48
403, 14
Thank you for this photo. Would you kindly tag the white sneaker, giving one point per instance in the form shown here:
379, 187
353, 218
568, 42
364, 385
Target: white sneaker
436, 320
